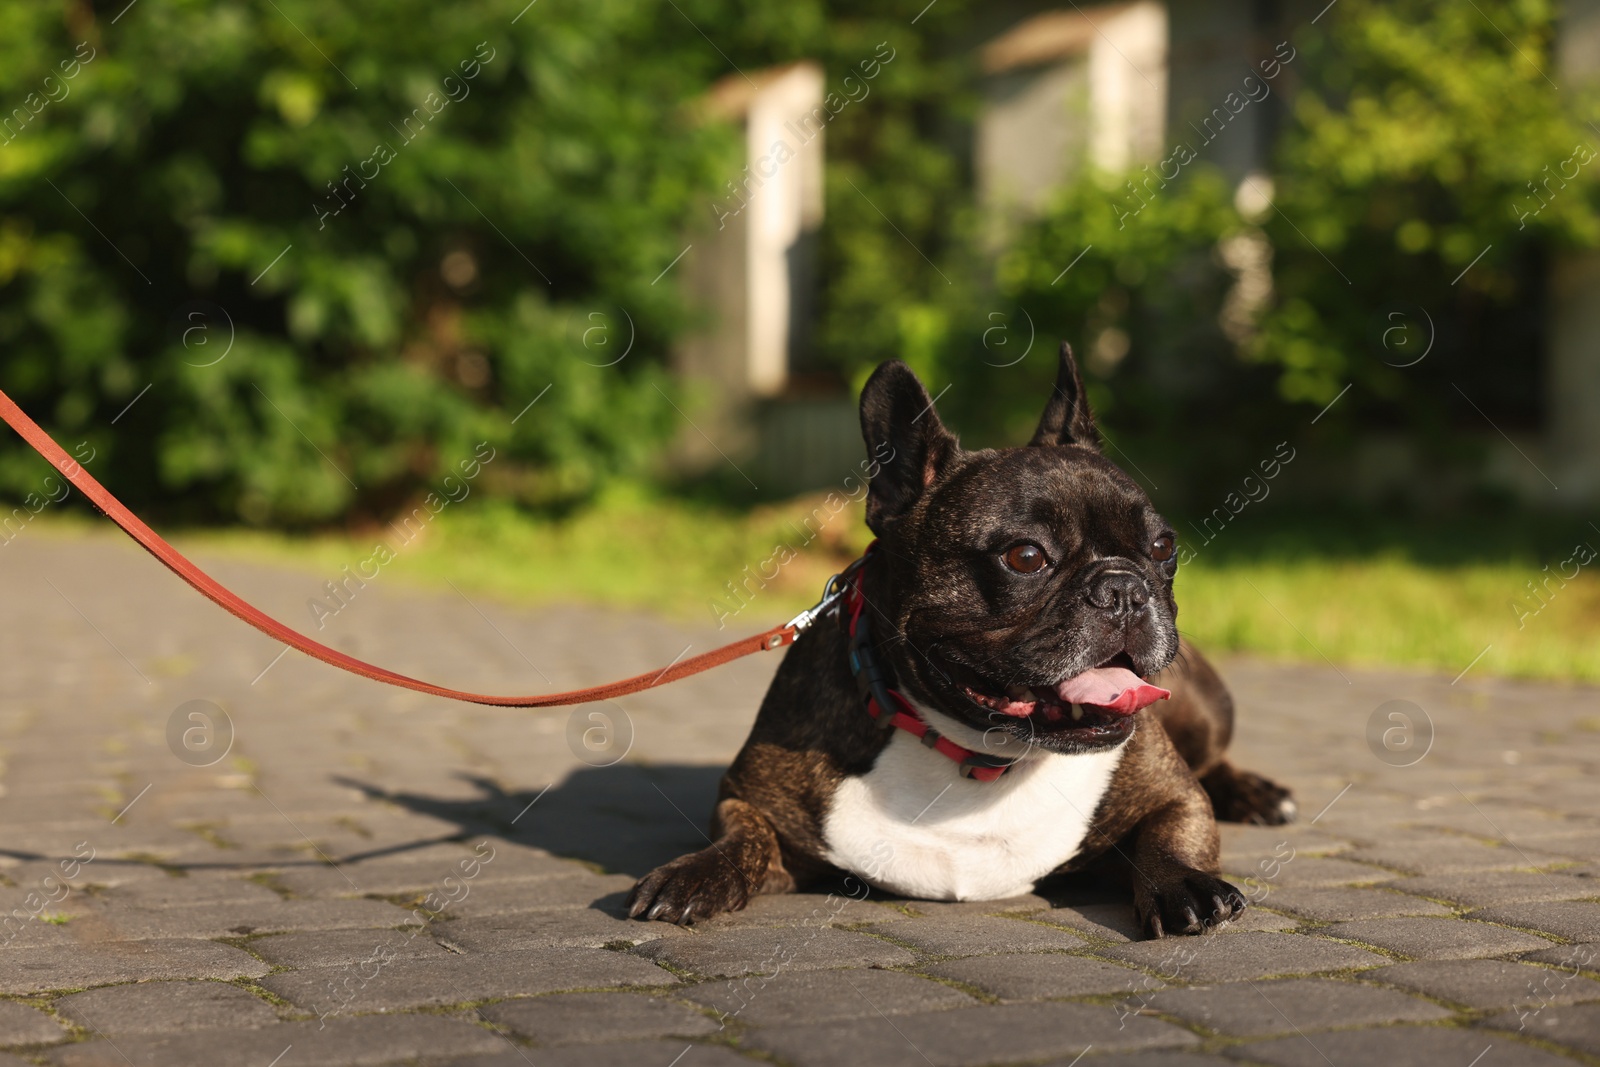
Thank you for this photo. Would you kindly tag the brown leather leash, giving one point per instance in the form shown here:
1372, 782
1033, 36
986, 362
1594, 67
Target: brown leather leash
218, 594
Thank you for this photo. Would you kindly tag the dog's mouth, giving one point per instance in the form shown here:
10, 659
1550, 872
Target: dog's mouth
1101, 700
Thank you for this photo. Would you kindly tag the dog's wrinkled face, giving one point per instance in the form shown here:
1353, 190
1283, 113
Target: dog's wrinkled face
1032, 586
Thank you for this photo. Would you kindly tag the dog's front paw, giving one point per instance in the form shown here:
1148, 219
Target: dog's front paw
1185, 901
696, 886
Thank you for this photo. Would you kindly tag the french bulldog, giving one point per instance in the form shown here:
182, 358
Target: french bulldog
1004, 696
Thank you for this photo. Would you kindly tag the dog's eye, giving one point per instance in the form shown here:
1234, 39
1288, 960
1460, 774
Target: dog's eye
1163, 549
1025, 558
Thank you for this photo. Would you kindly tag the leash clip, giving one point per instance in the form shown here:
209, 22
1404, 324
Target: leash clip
835, 588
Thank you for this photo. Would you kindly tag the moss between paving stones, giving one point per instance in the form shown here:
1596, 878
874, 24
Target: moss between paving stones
151, 859
272, 880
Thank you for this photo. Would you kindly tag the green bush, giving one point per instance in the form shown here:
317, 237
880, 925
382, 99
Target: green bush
398, 267
405, 222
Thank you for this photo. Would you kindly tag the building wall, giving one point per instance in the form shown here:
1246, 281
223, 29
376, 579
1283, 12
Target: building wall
1066, 89
1573, 360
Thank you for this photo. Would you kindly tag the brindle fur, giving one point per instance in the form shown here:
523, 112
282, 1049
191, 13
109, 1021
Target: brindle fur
811, 731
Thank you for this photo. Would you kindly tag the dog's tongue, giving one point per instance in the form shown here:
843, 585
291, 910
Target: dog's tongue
1113, 688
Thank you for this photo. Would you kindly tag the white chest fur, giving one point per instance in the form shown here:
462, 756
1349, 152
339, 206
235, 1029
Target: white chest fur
913, 826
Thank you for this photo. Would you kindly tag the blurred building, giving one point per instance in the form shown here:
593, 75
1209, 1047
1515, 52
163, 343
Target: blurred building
1119, 85
1573, 375
752, 273
755, 260
1064, 87
1116, 87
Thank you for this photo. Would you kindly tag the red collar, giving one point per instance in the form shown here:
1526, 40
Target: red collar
878, 697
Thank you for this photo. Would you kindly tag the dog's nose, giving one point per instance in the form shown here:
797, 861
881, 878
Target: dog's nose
1119, 593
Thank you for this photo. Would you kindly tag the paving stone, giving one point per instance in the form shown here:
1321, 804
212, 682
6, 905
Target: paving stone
185, 893
1241, 957
1435, 939
22, 1025
1570, 1025
1581, 871
534, 894
1257, 919
626, 1054
970, 935
1568, 958
1585, 846
1570, 919
1451, 856
37, 970
233, 920
159, 1007
759, 950
1268, 841
1396, 1046
1106, 922
1286, 1006
419, 983
1148, 1059
420, 872
39, 934
400, 788
810, 909
1488, 984
1343, 903
1027, 904
582, 1018
349, 1042
425, 869
968, 1036
1519, 823
1043, 976
1314, 870
1117, 922
1482, 889
816, 996
338, 948
578, 927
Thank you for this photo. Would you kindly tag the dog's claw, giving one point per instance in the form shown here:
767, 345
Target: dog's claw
1176, 903
696, 886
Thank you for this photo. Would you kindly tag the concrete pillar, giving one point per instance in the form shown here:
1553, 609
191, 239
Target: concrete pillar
1065, 89
748, 272
1572, 365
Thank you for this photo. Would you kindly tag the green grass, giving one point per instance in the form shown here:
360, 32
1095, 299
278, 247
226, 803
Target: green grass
1354, 589
630, 550
1391, 611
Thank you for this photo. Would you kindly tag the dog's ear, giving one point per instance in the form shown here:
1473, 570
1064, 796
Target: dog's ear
907, 445
1067, 419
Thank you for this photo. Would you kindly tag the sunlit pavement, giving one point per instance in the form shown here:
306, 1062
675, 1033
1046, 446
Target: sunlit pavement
211, 854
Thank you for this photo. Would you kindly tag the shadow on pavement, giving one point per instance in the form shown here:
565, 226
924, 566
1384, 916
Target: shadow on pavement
625, 818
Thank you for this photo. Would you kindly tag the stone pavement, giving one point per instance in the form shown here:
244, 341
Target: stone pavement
210, 855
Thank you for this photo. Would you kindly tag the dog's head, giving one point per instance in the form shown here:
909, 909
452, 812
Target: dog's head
1027, 590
